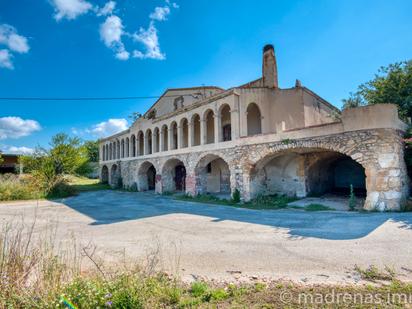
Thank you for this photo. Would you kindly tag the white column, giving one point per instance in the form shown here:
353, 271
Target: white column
203, 132
154, 142
179, 136
218, 129
170, 139
146, 145
161, 141
191, 134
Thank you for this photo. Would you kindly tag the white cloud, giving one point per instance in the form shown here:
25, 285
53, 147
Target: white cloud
70, 9
160, 13
111, 31
107, 9
123, 55
14, 41
148, 37
15, 127
110, 127
19, 150
5, 59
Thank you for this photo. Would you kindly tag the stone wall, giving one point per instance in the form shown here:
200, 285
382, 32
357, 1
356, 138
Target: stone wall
379, 151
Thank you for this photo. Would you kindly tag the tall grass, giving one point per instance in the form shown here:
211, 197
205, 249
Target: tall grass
14, 187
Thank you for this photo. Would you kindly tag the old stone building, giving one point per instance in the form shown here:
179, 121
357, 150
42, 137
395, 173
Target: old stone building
260, 139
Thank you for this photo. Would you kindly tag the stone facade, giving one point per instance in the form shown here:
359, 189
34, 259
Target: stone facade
260, 139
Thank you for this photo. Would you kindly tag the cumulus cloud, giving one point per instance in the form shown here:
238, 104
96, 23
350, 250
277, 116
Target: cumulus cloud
15, 127
19, 150
160, 13
111, 32
107, 9
13, 42
109, 127
70, 9
5, 59
112, 29
148, 37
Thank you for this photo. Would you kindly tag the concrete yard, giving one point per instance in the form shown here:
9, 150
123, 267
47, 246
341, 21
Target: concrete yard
223, 242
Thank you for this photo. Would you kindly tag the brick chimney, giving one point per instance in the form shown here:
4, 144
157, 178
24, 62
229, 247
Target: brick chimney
269, 68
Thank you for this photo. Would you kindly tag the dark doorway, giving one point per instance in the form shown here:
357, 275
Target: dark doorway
180, 178
151, 178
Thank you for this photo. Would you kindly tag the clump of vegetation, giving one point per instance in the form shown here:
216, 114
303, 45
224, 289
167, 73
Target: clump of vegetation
270, 202
352, 199
205, 198
372, 273
13, 187
236, 196
317, 207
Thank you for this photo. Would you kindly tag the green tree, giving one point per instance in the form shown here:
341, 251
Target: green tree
92, 150
392, 84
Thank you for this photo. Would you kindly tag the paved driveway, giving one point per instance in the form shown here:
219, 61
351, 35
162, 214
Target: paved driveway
223, 242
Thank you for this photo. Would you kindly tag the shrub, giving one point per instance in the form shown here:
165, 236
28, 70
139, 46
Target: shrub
352, 199
236, 196
14, 187
198, 288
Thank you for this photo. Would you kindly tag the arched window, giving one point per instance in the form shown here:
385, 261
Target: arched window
148, 144
133, 145
210, 127
254, 120
184, 124
226, 126
140, 138
165, 133
173, 128
196, 130
127, 147
156, 141
122, 148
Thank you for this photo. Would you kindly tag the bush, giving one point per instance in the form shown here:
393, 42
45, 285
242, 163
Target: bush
14, 187
236, 196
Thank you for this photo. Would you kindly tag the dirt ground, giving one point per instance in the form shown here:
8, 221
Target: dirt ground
224, 243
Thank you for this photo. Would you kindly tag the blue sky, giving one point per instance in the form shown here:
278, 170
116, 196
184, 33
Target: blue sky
101, 48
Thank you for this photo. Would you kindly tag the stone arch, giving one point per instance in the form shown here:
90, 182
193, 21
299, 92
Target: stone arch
165, 136
173, 135
254, 119
304, 170
104, 153
148, 142
212, 174
174, 176
127, 147
225, 123
104, 174
115, 180
146, 176
156, 139
140, 143
195, 123
184, 127
208, 117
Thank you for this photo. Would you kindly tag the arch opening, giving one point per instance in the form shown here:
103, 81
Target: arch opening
147, 177
254, 120
226, 126
149, 142
133, 146
104, 175
174, 176
185, 133
210, 127
173, 129
127, 147
213, 176
140, 138
165, 133
196, 129
307, 173
115, 176
156, 140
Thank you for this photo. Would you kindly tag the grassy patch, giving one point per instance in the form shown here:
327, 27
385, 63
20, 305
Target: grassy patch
317, 207
373, 273
204, 198
83, 184
269, 202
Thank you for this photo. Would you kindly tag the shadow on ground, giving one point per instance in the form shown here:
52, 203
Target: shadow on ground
107, 207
